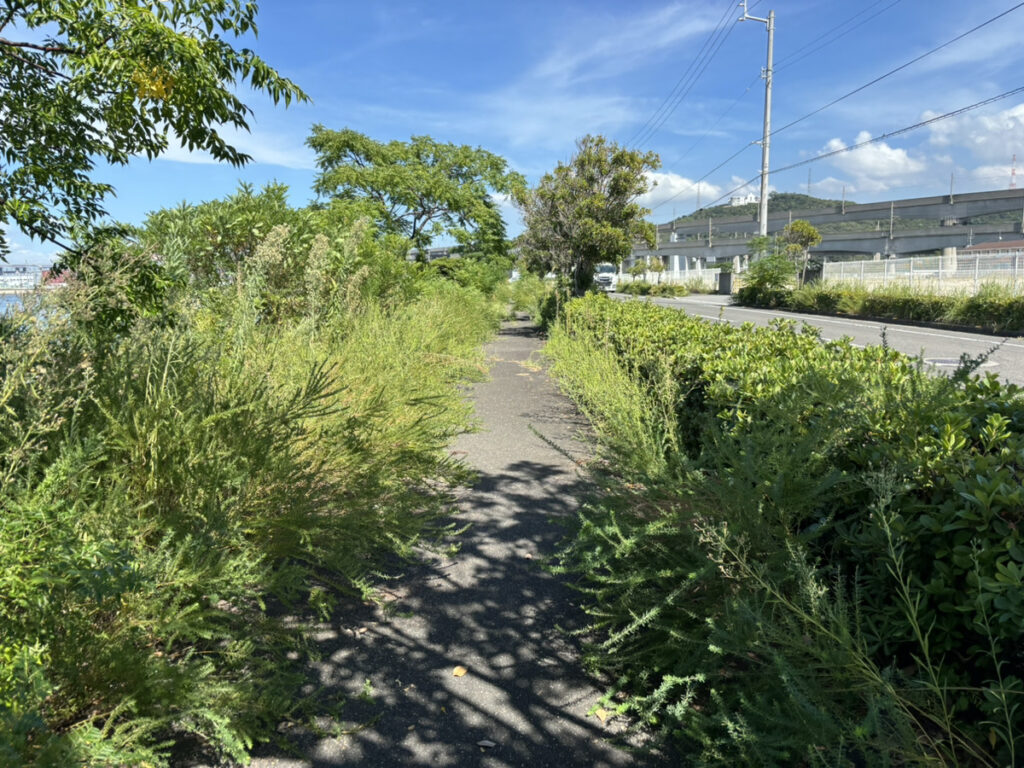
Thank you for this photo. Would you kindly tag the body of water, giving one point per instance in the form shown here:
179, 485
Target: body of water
9, 301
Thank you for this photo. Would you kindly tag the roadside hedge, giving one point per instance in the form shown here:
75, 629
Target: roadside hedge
810, 552
994, 308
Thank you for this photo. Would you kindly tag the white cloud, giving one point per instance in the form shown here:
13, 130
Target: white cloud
264, 148
546, 119
673, 189
26, 251
624, 44
992, 138
994, 176
875, 167
830, 187
549, 106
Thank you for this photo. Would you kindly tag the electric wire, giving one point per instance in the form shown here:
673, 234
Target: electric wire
897, 69
693, 184
799, 54
859, 145
664, 109
693, 81
789, 60
857, 90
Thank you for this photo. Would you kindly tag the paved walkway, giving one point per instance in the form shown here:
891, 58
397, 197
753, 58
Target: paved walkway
490, 609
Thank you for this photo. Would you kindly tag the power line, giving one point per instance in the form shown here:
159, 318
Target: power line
676, 95
693, 81
901, 131
693, 184
796, 56
859, 145
792, 58
897, 69
845, 96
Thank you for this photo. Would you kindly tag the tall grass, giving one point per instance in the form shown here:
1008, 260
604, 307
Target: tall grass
169, 474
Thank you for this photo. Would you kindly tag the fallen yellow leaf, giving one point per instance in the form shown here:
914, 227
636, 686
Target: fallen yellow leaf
459, 671
603, 714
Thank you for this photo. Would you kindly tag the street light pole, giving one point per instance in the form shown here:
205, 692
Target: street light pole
762, 213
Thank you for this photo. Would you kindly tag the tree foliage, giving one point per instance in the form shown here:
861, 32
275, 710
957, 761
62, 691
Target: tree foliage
113, 79
419, 188
586, 212
800, 236
210, 242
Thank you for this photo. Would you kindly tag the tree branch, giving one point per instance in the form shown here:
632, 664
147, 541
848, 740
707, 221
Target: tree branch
43, 48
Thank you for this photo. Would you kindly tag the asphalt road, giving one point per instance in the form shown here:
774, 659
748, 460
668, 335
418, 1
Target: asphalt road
490, 609
940, 348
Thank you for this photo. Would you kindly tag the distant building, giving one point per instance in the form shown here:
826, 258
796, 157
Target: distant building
738, 200
998, 248
431, 253
19, 277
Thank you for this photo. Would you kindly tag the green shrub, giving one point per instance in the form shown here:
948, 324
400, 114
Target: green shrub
668, 289
637, 288
815, 297
529, 293
814, 557
773, 272
995, 307
696, 285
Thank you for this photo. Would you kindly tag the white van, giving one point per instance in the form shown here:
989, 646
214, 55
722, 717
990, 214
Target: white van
606, 276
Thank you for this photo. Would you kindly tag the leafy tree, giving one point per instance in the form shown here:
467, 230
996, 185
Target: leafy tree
657, 266
761, 245
586, 212
419, 188
212, 240
112, 79
800, 236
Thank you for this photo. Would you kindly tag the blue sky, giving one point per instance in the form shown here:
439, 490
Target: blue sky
525, 79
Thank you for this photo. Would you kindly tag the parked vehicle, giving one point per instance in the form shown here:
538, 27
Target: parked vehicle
606, 277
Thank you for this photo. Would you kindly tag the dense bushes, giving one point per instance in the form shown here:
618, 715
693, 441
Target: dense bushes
993, 308
643, 288
813, 555
174, 458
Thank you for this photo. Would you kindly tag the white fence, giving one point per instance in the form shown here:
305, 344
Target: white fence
948, 273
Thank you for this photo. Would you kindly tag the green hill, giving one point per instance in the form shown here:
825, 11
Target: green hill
778, 202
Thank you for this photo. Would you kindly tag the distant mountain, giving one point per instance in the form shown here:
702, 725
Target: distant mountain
778, 202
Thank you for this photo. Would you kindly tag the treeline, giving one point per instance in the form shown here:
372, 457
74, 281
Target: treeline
239, 409
809, 553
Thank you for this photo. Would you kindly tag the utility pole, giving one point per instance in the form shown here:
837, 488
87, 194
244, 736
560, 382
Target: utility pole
762, 213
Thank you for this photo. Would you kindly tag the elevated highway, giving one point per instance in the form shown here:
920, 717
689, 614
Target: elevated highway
718, 239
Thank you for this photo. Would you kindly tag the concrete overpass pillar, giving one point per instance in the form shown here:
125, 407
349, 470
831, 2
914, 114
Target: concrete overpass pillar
949, 259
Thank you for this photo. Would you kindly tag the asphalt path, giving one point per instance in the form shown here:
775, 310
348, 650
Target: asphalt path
941, 349
489, 611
